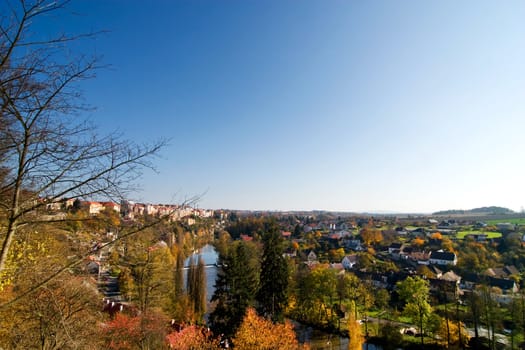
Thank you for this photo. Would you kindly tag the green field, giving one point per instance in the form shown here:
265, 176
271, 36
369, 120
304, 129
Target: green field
462, 234
516, 221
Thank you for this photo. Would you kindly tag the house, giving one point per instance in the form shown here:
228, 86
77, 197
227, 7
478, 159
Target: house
480, 225
507, 286
400, 254
290, 253
150, 209
354, 244
309, 228
286, 234
422, 258
394, 246
337, 266
401, 231
447, 224
94, 207
451, 277
69, 202
502, 272
418, 232
377, 280
443, 258
506, 226
53, 204
342, 226
111, 205
340, 234
312, 257
446, 286
349, 261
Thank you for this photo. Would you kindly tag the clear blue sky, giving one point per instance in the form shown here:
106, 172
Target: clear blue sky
410, 106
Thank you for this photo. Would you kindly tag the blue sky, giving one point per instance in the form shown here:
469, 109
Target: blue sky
405, 106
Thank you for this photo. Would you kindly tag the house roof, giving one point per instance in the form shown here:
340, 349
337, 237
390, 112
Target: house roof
286, 233
512, 270
451, 276
246, 238
443, 256
419, 255
337, 266
435, 270
504, 284
502, 272
351, 258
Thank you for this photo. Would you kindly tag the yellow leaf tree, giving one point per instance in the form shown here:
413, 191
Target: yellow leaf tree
355, 335
258, 333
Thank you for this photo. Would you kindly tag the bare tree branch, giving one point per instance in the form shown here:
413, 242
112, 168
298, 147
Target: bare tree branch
47, 151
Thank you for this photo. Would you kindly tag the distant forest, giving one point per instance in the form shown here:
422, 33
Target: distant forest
483, 210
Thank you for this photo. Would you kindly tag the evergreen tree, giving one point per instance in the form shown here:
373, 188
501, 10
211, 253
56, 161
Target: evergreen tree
272, 296
235, 288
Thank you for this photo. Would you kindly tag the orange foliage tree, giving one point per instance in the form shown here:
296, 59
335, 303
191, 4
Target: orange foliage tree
258, 333
131, 332
418, 242
192, 338
437, 236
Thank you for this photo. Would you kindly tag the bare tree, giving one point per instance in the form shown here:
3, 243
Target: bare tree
48, 152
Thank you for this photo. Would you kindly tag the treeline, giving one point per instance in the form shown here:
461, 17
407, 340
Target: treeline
483, 210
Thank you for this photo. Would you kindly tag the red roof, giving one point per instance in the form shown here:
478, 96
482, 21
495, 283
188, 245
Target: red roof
246, 238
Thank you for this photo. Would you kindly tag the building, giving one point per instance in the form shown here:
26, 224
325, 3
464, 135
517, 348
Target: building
443, 258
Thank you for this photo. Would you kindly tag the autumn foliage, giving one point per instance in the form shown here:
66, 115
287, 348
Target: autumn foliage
258, 333
192, 338
371, 236
123, 332
418, 242
436, 236
129, 332
355, 335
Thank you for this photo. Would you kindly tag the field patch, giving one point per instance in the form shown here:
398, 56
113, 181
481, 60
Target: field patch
462, 234
515, 221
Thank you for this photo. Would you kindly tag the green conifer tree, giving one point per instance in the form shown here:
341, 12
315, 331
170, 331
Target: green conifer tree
235, 288
272, 296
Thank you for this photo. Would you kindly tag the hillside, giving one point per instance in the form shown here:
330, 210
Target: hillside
493, 210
